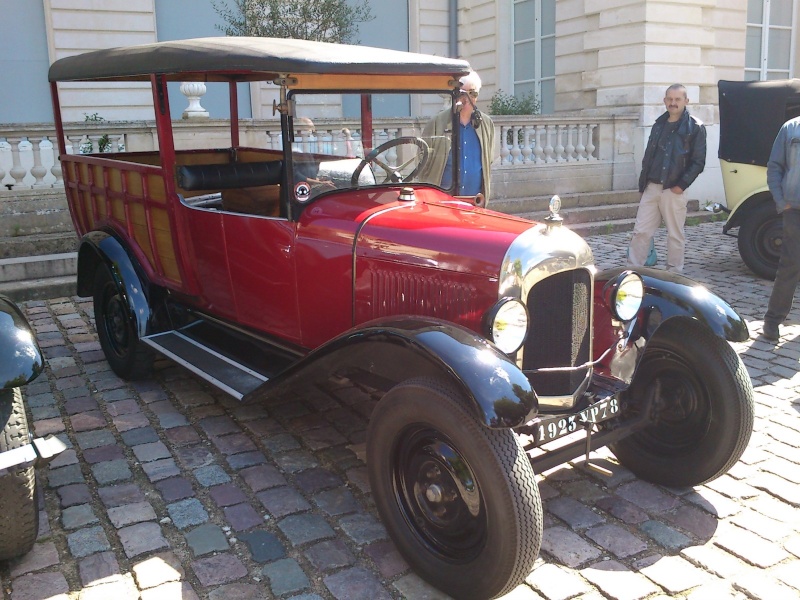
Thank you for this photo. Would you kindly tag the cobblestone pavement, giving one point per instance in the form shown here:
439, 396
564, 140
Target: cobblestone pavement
170, 490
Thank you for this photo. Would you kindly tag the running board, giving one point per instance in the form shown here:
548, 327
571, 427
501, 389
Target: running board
223, 372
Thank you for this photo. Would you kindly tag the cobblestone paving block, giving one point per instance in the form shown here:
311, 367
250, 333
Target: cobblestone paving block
556, 583
750, 547
173, 589
186, 513
245, 459
89, 540
77, 493
285, 576
329, 555
98, 568
339, 501
175, 488
575, 514
121, 587
206, 538
161, 469
41, 556
65, 476
567, 547
616, 540
158, 569
36, 586
103, 453
142, 435
242, 517
362, 528
111, 471
263, 546
211, 475
127, 514
227, 495
78, 516
617, 581
665, 535
218, 569
124, 493
356, 583
142, 537
283, 501
301, 529
151, 451
263, 477
675, 574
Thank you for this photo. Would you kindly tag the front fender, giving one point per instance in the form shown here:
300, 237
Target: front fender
394, 350
98, 247
667, 296
20, 357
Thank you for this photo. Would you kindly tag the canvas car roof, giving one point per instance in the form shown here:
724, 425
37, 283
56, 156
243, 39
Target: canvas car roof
750, 115
254, 59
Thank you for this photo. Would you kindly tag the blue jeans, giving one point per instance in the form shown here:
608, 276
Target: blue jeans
780, 301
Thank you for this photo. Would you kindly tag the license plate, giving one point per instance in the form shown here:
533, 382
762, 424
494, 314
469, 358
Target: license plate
552, 428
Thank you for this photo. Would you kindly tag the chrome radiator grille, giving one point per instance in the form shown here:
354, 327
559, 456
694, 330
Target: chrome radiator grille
560, 332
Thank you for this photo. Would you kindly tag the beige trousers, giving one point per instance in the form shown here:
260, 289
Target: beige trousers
658, 203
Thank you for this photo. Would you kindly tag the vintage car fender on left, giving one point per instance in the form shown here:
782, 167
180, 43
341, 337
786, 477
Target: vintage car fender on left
667, 296
20, 358
398, 349
98, 247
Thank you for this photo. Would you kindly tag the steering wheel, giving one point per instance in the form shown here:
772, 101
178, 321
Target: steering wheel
394, 173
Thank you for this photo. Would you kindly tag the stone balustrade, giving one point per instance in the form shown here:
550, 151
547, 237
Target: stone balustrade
28, 158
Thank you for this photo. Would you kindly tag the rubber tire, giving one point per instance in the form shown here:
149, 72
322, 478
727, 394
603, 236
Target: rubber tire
511, 521
116, 329
759, 240
19, 513
705, 412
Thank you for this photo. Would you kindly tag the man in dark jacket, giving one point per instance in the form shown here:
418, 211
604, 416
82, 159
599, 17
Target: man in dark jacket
674, 157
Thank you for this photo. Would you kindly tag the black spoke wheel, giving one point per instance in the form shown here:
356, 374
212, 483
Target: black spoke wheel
460, 500
760, 239
19, 513
116, 329
702, 412
394, 172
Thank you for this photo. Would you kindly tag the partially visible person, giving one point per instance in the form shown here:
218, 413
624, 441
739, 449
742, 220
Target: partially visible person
674, 157
783, 179
477, 143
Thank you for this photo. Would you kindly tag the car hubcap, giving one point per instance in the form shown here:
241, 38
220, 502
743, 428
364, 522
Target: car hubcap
439, 495
116, 324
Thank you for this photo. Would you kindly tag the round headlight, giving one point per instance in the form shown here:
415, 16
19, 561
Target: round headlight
507, 325
627, 293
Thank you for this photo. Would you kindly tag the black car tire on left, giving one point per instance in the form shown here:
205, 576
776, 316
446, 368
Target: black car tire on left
703, 413
19, 513
126, 354
759, 239
459, 500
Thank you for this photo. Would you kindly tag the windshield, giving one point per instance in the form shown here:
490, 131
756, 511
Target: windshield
342, 140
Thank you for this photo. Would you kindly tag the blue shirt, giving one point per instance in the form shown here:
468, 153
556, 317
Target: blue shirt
471, 170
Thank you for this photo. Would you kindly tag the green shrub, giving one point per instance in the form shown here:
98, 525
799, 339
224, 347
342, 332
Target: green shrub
506, 104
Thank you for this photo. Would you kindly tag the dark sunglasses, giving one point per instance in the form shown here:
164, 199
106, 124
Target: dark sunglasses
471, 93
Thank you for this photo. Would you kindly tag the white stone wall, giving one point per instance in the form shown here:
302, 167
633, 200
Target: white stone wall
77, 26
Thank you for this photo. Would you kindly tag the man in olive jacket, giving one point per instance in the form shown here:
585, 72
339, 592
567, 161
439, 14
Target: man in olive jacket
477, 143
674, 157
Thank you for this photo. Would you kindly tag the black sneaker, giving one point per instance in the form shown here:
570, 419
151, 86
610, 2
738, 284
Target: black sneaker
771, 332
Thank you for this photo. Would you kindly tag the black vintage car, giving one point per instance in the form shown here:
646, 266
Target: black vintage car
750, 115
20, 363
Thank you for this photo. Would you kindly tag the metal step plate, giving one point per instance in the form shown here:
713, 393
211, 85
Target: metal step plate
220, 371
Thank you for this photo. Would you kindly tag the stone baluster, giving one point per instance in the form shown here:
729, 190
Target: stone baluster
590, 142
527, 151
538, 149
56, 170
569, 150
548, 147
194, 90
516, 151
38, 170
559, 148
505, 153
580, 149
17, 171
74, 144
4, 148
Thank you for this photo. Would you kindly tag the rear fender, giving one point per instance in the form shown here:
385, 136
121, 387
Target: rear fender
100, 248
667, 296
739, 213
384, 353
20, 357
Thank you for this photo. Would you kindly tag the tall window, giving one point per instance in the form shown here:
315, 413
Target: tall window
535, 50
770, 39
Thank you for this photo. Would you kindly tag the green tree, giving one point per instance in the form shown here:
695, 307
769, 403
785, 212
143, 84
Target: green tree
319, 20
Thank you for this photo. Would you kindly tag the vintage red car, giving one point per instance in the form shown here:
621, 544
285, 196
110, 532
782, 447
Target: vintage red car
486, 337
